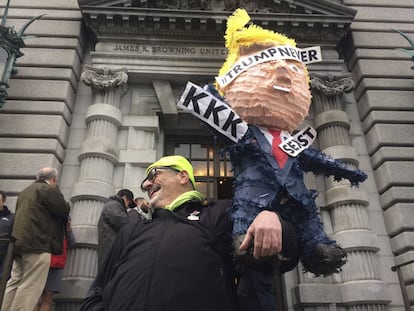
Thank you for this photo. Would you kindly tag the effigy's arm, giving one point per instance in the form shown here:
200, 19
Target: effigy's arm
317, 162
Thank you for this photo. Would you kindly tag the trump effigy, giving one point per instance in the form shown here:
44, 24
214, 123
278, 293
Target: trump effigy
260, 98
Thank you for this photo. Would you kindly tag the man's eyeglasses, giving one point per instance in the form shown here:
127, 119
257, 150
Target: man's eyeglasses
153, 173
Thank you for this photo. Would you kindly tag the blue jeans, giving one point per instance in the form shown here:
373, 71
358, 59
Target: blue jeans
255, 289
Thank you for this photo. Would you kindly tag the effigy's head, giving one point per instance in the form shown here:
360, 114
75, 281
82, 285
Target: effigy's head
262, 78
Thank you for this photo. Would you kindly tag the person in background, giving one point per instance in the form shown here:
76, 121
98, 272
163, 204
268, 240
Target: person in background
181, 259
142, 210
54, 278
113, 217
41, 211
142, 204
6, 225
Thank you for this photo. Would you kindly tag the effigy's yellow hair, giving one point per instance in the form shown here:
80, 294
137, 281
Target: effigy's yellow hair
237, 34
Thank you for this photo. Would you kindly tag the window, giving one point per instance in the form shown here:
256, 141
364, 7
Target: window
212, 168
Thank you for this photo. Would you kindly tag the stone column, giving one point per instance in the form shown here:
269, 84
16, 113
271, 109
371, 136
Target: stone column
97, 157
358, 287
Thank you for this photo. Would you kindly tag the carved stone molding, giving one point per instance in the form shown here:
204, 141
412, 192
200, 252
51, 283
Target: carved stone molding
104, 78
304, 20
331, 85
227, 5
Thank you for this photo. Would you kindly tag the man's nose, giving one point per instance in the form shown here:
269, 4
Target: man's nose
146, 184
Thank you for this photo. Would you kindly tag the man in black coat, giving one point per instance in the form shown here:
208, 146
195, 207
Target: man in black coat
181, 259
113, 217
41, 212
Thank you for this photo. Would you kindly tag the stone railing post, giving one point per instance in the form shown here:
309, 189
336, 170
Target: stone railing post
359, 286
97, 157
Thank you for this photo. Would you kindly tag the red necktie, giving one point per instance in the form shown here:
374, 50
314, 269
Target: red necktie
279, 155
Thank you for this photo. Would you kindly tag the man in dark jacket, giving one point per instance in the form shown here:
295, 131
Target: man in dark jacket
6, 225
181, 259
113, 217
41, 211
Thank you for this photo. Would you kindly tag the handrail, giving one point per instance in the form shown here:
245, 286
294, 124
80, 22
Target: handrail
394, 268
402, 284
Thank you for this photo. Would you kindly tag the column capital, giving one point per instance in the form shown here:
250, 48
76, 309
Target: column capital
104, 78
332, 85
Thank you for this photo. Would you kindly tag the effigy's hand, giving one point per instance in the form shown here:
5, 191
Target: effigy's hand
266, 230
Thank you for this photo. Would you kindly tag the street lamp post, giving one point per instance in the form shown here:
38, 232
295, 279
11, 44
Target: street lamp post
11, 42
408, 51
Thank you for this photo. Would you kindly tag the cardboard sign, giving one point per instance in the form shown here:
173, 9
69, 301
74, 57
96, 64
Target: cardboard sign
306, 56
295, 144
212, 111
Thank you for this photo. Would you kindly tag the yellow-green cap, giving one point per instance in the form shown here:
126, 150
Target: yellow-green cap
176, 162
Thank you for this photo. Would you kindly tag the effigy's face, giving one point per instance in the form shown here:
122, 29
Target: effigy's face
272, 94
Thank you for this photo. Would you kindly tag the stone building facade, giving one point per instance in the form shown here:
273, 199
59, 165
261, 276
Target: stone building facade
95, 96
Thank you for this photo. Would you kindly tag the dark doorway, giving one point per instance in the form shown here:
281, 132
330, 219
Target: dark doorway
225, 188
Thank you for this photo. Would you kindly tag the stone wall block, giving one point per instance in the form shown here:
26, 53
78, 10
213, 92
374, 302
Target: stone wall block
375, 14
57, 43
25, 165
410, 292
377, 40
378, 68
42, 90
396, 194
389, 135
402, 242
48, 4
398, 218
48, 28
396, 153
405, 257
394, 173
36, 126
51, 13
38, 107
378, 53
380, 83
396, 117
385, 100
32, 145
38, 73
14, 186
396, 3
